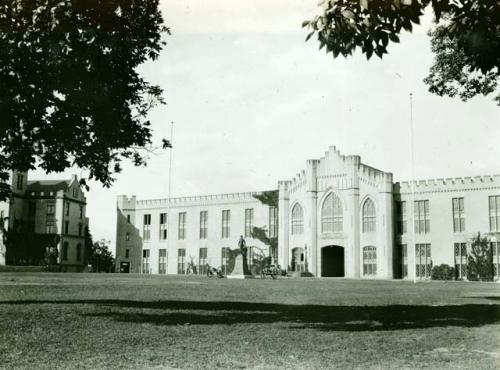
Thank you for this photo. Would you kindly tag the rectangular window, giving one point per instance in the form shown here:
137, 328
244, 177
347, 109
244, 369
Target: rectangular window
50, 227
460, 250
495, 247
248, 222
66, 227
224, 260
32, 210
403, 255
145, 261
81, 212
146, 228
203, 224
423, 260
127, 253
401, 227
226, 215
181, 261
369, 261
202, 262
162, 261
494, 203
79, 252
66, 209
421, 212
80, 229
163, 226
75, 192
458, 215
128, 219
51, 209
65, 248
20, 179
182, 226
251, 255
273, 222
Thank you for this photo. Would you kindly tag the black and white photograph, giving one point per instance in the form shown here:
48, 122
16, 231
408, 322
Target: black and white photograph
250, 184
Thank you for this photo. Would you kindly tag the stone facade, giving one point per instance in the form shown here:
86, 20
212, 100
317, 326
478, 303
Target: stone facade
140, 238
43, 213
338, 217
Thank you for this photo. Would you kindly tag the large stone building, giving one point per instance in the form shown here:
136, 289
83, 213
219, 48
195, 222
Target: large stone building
44, 213
338, 217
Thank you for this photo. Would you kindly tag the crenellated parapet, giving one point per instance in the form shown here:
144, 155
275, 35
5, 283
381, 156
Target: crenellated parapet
298, 181
126, 203
188, 201
448, 184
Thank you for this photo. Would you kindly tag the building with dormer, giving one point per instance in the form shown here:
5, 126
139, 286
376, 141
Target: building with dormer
43, 213
337, 218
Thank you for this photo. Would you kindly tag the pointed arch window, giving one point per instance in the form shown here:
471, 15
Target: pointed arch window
331, 214
297, 219
369, 216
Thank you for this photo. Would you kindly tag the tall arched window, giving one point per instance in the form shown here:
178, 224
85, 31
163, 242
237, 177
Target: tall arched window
297, 219
369, 217
331, 214
369, 260
65, 248
79, 252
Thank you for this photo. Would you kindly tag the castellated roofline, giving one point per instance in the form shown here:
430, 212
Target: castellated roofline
406, 185
342, 163
131, 202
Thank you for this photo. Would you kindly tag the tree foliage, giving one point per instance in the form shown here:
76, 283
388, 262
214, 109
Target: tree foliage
100, 257
71, 94
443, 272
269, 198
466, 39
480, 259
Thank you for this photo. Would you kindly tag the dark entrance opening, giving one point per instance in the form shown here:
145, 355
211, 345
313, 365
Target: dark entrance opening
332, 261
125, 267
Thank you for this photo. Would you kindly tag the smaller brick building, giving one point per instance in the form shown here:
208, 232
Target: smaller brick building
43, 213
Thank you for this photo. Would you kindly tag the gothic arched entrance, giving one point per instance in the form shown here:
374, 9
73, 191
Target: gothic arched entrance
332, 261
298, 260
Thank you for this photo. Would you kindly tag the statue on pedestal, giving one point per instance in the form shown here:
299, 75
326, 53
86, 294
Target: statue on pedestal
241, 270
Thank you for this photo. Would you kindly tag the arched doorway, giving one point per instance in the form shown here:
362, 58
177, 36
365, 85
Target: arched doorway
332, 261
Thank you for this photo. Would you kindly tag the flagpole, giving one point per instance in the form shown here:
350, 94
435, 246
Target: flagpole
170, 161
169, 230
412, 149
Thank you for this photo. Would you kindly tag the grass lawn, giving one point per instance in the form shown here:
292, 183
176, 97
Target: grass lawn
131, 321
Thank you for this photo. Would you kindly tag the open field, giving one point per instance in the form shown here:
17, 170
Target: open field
130, 321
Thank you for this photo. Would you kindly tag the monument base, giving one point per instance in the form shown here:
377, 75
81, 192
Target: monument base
240, 276
240, 270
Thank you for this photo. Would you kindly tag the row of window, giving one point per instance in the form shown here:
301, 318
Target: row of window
51, 209
332, 216
203, 230
423, 261
422, 220
182, 264
50, 227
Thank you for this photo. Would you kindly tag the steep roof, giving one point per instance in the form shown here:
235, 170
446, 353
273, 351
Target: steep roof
48, 185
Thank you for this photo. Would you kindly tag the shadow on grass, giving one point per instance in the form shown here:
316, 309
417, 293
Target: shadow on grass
338, 318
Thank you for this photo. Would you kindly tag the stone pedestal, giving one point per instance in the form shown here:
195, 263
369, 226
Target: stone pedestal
3, 249
240, 270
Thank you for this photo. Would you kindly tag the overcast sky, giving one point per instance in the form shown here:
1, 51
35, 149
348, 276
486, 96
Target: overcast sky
251, 101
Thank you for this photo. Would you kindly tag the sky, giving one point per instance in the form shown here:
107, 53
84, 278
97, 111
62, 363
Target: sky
251, 101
